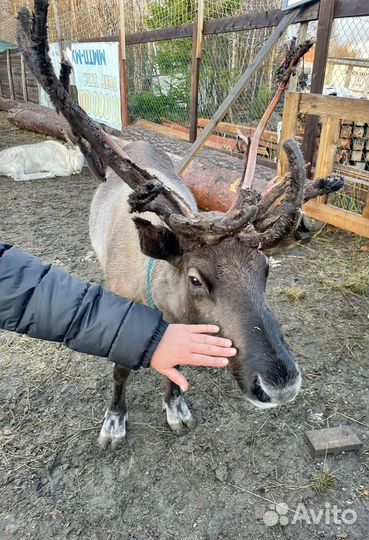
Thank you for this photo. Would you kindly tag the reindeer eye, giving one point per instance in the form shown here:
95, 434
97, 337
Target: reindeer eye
195, 281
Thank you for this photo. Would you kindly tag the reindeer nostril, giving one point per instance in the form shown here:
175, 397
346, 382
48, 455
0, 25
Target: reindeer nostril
258, 392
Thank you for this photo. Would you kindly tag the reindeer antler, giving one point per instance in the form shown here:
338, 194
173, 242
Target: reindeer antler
94, 142
259, 221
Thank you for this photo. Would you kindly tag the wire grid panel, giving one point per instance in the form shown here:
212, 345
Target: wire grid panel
225, 58
86, 19
159, 80
353, 196
216, 9
347, 72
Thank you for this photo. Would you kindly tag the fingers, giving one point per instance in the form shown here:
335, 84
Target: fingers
206, 361
176, 376
203, 328
211, 340
212, 350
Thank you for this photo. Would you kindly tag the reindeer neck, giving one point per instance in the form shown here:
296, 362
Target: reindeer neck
165, 289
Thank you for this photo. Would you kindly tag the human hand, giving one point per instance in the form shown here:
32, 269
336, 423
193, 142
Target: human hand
190, 345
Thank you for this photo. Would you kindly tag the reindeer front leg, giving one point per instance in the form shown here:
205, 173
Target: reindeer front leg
177, 413
113, 430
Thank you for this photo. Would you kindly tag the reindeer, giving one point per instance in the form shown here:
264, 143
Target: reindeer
155, 247
46, 159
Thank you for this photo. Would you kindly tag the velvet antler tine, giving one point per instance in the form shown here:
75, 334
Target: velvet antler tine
262, 222
64, 75
34, 46
277, 224
323, 186
208, 228
293, 56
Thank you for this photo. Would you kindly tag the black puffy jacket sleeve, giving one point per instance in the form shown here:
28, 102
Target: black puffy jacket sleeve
45, 302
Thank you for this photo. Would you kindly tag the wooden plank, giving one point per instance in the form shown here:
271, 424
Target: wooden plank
343, 219
123, 66
162, 34
329, 137
24, 79
220, 144
325, 22
332, 440
197, 41
9, 73
359, 8
356, 110
238, 88
366, 208
226, 127
182, 133
290, 113
254, 21
15, 63
241, 23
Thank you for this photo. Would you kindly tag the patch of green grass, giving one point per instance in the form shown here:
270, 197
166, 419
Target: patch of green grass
347, 202
323, 481
294, 294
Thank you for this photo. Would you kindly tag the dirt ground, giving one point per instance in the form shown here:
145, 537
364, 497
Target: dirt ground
217, 481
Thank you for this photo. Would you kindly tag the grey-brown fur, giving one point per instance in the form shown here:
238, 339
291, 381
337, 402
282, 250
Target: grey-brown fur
210, 267
234, 274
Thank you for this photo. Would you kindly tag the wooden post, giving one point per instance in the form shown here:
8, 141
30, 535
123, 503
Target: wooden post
366, 208
348, 76
237, 89
290, 113
197, 40
10, 75
327, 149
123, 67
326, 12
57, 28
24, 79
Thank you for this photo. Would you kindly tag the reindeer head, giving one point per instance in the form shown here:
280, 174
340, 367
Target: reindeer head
219, 256
221, 271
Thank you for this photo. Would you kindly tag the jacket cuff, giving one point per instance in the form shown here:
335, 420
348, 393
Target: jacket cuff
156, 338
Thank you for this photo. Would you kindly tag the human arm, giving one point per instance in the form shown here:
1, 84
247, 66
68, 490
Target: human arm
42, 301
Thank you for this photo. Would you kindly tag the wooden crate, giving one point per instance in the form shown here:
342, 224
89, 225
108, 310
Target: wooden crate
333, 111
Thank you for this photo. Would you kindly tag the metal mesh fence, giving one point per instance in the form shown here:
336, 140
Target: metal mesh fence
159, 73
348, 60
159, 81
225, 58
347, 75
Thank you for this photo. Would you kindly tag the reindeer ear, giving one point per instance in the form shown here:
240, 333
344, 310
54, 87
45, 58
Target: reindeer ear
157, 241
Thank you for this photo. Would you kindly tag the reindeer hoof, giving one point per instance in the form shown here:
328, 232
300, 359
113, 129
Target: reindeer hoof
113, 430
178, 414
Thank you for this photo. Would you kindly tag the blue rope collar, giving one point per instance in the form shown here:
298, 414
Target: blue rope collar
150, 268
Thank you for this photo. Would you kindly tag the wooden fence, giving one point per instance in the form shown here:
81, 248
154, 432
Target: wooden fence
333, 111
16, 82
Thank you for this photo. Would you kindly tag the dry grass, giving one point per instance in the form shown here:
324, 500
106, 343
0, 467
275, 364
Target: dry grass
294, 294
356, 282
